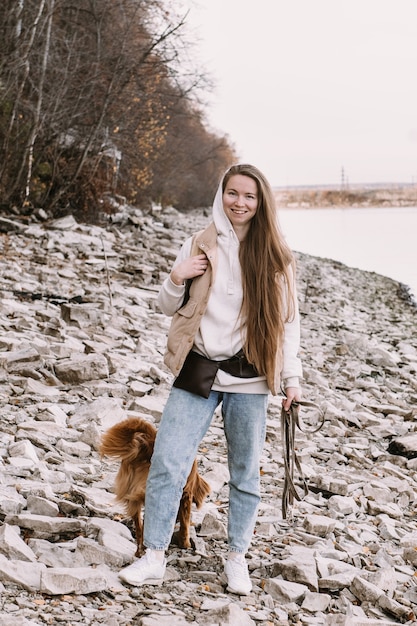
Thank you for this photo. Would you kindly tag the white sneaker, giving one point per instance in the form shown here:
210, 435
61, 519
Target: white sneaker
147, 569
238, 580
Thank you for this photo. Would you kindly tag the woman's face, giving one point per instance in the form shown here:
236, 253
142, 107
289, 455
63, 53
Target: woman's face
240, 201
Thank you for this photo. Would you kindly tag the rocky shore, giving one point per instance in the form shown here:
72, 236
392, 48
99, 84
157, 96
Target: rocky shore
81, 348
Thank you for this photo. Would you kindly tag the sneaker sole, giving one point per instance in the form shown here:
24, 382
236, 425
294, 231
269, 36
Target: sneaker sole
238, 592
147, 581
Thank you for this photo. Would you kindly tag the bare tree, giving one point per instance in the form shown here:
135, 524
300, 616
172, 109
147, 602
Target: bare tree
91, 94
193, 157
18, 49
36, 124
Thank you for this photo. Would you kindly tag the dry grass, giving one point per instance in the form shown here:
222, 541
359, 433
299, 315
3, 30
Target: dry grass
305, 197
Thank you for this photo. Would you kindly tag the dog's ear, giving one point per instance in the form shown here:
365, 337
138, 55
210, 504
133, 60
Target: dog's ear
143, 444
139, 440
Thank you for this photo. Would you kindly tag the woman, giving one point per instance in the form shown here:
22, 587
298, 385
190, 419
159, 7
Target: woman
240, 318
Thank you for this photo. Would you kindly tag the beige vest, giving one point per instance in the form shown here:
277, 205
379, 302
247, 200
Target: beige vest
186, 321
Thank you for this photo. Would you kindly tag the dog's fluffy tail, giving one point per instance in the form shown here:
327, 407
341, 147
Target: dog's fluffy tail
196, 488
202, 490
130, 440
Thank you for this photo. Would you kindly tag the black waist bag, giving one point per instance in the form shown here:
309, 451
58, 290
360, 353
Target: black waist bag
198, 373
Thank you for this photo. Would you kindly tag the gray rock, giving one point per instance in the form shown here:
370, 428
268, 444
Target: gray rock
78, 580
229, 615
18, 572
82, 368
319, 525
13, 546
284, 591
315, 602
365, 591
212, 527
299, 566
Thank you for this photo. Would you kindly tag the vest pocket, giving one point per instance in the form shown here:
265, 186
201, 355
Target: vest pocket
188, 309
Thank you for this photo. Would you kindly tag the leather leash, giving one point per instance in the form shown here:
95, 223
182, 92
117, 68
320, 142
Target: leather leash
289, 420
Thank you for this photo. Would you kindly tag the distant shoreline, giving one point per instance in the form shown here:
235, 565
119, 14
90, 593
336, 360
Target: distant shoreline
357, 196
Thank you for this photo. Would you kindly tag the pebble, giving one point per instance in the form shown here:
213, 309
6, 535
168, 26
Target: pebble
81, 348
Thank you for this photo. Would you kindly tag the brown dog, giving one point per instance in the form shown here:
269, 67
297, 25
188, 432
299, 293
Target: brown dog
132, 442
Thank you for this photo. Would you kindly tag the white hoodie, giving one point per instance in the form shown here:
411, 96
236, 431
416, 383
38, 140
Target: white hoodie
219, 336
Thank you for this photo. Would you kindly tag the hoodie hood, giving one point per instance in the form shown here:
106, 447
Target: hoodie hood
222, 222
228, 242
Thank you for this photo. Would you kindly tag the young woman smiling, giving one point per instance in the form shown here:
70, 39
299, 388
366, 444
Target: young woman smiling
233, 339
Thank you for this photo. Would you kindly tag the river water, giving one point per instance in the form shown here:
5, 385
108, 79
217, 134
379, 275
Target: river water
381, 240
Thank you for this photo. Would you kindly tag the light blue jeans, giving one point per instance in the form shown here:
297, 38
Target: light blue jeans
185, 420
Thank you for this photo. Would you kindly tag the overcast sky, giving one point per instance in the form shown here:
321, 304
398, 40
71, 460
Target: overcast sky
304, 88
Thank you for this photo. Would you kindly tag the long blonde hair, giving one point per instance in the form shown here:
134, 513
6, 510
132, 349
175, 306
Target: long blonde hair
268, 270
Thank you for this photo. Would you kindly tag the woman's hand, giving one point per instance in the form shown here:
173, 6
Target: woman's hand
189, 268
293, 394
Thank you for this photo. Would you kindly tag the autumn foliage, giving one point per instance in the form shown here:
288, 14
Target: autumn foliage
97, 101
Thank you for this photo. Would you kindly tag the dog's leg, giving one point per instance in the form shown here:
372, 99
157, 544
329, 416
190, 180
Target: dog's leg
139, 533
184, 518
195, 490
